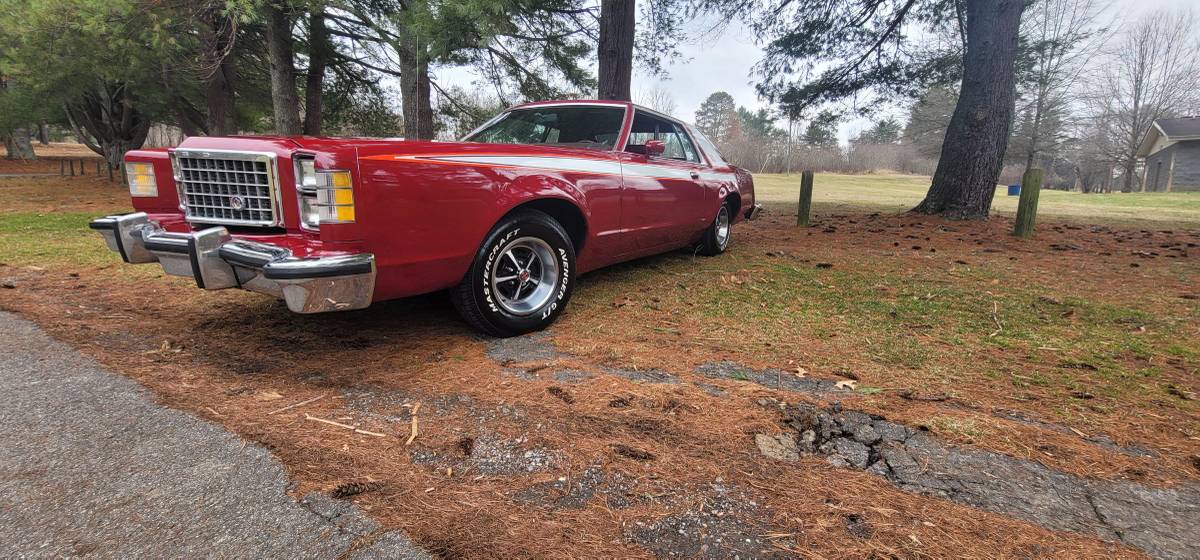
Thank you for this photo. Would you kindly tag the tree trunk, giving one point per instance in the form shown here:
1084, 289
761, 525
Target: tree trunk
617, 24
1130, 167
218, 36
1035, 133
18, 144
285, 103
190, 124
318, 58
415, 91
972, 154
106, 121
219, 96
43, 133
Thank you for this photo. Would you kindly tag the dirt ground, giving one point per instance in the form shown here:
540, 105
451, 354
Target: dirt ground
642, 423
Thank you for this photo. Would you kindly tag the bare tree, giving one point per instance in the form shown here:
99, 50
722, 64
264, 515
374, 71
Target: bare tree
658, 98
1090, 156
1063, 35
1150, 72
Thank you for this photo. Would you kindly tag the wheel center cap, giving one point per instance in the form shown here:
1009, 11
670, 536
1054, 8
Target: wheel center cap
523, 276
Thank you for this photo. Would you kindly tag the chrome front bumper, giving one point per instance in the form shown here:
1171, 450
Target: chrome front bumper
753, 211
217, 261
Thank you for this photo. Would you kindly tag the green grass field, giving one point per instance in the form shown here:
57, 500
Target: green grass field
897, 193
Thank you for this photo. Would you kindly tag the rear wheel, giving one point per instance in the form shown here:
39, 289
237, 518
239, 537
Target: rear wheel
521, 278
716, 237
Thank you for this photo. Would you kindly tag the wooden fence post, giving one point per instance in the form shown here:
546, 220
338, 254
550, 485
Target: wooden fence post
805, 207
1031, 187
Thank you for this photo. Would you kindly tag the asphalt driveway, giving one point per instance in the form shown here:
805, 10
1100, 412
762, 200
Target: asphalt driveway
91, 466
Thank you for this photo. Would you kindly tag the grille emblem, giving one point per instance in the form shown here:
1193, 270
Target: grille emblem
236, 203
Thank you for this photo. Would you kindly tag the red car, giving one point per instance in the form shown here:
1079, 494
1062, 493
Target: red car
506, 219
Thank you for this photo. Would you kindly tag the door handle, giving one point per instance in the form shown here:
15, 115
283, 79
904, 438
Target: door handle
695, 175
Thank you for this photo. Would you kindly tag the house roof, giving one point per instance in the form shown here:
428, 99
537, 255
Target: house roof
1173, 130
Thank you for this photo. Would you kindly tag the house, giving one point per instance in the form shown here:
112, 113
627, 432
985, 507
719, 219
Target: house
1171, 149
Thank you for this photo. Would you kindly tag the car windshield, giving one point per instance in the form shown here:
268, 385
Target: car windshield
575, 126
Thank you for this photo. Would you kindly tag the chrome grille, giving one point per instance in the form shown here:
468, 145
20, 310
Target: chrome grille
226, 187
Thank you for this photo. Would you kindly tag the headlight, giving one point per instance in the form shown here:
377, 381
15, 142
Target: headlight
309, 212
326, 197
140, 176
306, 174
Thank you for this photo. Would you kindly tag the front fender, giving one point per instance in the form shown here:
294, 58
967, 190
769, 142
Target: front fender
529, 188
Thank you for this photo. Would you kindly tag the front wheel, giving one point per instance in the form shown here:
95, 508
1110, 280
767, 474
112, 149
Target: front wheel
521, 278
716, 237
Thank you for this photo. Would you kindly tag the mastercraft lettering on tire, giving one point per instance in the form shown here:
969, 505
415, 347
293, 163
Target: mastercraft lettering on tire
504, 219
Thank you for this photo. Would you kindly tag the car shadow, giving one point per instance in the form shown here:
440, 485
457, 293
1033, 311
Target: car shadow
263, 336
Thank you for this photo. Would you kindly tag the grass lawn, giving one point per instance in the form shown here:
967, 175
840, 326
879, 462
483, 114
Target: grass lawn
897, 193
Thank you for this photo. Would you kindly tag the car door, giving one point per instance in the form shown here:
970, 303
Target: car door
664, 201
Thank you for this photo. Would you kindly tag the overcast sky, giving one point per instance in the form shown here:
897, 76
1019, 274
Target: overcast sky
724, 63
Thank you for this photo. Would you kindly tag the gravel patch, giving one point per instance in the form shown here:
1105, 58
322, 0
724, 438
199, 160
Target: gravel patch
564, 492
490, 455
535, 347
727, 526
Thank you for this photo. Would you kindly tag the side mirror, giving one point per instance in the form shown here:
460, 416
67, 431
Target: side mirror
655, 147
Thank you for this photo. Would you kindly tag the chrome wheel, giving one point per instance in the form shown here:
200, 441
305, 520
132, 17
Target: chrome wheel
722, 227
524, 276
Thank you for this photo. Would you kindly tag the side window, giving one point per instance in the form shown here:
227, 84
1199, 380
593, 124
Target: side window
685, 144
714, 156
675, 140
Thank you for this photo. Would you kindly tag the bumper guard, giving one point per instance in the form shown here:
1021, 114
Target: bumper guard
753, 211
215, 260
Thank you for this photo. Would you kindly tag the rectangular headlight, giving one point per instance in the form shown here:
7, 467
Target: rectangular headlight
140, 176
307, 174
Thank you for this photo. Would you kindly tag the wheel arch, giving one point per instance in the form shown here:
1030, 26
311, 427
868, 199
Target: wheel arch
734, 200
565, 212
